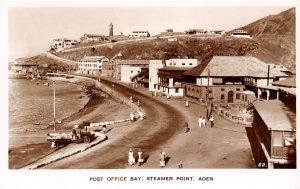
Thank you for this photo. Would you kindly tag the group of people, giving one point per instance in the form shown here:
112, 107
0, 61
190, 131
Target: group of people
140, 161
131, 158
202, 121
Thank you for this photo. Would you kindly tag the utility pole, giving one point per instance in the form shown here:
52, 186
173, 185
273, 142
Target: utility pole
54, 103
207, 93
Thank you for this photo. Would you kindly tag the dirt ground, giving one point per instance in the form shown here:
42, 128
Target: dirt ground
223, 146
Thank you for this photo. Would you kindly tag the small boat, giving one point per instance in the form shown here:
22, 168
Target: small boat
46, 84
37, 123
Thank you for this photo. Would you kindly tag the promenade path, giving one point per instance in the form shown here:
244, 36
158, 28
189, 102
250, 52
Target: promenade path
224, 146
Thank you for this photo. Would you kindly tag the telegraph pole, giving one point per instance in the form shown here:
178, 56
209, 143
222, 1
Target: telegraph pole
207, 92
54, 103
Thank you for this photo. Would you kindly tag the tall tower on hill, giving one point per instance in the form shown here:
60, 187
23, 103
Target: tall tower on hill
111, 29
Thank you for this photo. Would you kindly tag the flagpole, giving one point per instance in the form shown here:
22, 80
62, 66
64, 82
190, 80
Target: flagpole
54, 103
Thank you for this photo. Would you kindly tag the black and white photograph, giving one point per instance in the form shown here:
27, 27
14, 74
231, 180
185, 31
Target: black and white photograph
122, 94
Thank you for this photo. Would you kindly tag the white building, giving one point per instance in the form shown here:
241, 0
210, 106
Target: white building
241, 33
92, 65
130, 68
92, 38
139, 34
182, 62
153, 77
165, 76
61, 44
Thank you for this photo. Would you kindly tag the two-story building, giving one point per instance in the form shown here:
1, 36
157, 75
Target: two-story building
170, 77
92, 65
223, 78
129, 69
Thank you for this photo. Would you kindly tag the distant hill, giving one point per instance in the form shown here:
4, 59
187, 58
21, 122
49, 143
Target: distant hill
276, 37
273, 42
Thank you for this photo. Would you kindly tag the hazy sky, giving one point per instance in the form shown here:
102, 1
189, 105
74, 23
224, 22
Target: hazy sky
31, 30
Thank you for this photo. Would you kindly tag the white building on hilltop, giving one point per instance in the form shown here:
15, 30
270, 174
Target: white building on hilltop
92, 65
241, 33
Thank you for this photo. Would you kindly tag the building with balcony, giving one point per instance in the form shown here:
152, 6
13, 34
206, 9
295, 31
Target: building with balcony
92, 65
127, 70
139, 34
224, 78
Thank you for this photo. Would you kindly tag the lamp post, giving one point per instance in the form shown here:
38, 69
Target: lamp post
54, 104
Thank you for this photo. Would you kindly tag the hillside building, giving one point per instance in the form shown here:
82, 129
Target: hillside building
61, 44
92, 65
223, 79
92, 38
196, 31
139, 34
241, 33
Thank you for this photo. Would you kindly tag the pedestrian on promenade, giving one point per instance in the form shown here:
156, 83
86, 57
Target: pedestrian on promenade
138, 102
141, 115
186, 103
131, 117
162, 159
104, 128
200, 121
186, 127
131, 99
203, 122
131, 159
140, 157
211, 120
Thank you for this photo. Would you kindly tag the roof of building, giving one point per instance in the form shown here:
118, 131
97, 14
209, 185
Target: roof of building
132, 62
292, 91
92, 58
170, 68
248, 92
275, 115
234, 66
240, 32
288, 82
93, 35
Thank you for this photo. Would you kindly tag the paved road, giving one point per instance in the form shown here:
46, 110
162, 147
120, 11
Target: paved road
161, 123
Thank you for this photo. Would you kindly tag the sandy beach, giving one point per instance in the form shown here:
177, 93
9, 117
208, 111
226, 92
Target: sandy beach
22, 145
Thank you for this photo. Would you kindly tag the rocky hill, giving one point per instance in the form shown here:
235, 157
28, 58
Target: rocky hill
276, 37
273, 42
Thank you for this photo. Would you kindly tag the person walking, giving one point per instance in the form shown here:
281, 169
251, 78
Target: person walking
162, 159
186, 103
131, 159
203, 122
200, 121
186, 127
104, 128
131, 117
211, 120
140, 157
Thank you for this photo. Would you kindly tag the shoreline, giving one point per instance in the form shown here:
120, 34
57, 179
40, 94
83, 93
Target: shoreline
25, 144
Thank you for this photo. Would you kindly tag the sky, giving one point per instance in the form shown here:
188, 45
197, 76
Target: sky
32, 29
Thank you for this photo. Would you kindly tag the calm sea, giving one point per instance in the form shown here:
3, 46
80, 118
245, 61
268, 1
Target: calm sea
31, 103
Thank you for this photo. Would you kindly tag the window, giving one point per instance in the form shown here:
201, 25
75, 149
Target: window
222, 97
131, 71
238, 89
176, 90
238, 96
190, 64
277, 139
210, 91
183, 64
222, 89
